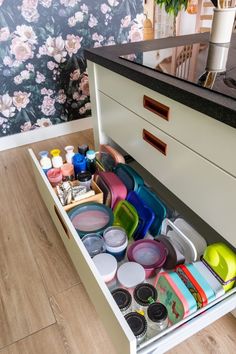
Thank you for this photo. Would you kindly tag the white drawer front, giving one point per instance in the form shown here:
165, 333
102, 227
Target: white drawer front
204, 188
111, 316
208, 137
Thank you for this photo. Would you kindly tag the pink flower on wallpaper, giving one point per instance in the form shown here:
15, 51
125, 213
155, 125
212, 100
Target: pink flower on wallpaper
72, 44
6, 107
21, 50
56, 48
4, 34
51, 65
74, 76
45, 91
44, 122
97, 37
84, 8
1, 2
25, 74
92, 21
125, 22
88, 106
39, 78
71, 21
30, 14
105, 8
82, 110
45, 3
26, 34
76, 96
30, 67
26, 126
69, 3
21, 99
48, 107
135, 34
7, 61
84, 85
113, 2
2, 120
79, 16
61, 97
30, 4
18, 80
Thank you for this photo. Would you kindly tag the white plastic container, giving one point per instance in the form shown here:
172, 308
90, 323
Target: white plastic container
106, 265
57, 161
130, 274
222, 25
45, 161
69, 153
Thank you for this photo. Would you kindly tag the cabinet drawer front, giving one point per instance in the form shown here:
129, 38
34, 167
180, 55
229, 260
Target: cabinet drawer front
206, 189
208, 137
108, 311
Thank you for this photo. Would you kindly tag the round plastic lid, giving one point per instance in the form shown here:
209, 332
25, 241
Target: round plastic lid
130, 274
137, 323
83, 149
43, 153
84, 176
123, 298
55, 152
106, 265
77, 157
144, 294
94, 244
69, 148
174, 256
90, 154
115, 236
157, 312
149, 253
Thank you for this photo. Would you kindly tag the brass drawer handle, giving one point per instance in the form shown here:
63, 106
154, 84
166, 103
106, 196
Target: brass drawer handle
155, 142
156, 107
61, 221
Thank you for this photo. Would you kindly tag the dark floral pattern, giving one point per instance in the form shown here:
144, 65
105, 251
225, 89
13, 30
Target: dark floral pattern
43, 77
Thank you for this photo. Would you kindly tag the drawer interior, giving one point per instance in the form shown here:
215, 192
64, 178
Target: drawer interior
99, 292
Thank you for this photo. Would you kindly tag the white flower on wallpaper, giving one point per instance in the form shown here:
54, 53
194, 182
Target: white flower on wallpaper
42, 67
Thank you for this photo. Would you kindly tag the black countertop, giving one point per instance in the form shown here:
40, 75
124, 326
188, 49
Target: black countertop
211, 103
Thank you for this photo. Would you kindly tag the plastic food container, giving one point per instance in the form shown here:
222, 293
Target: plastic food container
149, 253
130, 274
79, 163
85, 179
138, 325
129, 176
144, 295
146, 215
57, 161
153, 202
210, 278
91, 218
106, 264
174, 256
126, 216
180, 241
116, 241
94, 244
197, 285
67, 172
174, 294
157, 318
123, 299
69, 153
221, 260
45, 161
54, 176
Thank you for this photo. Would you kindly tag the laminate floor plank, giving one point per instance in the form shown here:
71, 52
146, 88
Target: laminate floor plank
46, 341
79, 324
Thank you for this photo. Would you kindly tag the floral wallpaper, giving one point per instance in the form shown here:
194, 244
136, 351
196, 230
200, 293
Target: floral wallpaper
43, 77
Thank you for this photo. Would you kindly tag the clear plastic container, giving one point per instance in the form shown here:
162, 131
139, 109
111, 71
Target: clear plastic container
138, 325
123, 299
116, 241
94, 244
144, 295
157, 318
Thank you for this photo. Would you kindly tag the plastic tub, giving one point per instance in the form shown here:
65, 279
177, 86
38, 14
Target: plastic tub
116, 241
54, 176
126, 216
106, 264
130, 274
94, 244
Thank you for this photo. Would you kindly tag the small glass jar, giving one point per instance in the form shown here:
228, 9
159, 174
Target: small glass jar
144, 295
67, 172
123, 299
69, 153
138, 325
85, 179
157, 316
57, 161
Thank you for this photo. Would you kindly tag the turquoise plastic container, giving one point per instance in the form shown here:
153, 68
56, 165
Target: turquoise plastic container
129, 176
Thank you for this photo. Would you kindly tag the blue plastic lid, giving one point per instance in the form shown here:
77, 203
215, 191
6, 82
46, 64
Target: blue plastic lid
43, 153
90, 154
77, 158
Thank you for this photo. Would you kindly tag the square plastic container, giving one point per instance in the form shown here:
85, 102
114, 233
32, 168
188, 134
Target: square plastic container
129, 176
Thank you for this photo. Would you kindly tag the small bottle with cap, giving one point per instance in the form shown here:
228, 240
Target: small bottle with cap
57, 161
45, 161
91, 161
138, 325
69, 153
157, 318
144, 295
82, 149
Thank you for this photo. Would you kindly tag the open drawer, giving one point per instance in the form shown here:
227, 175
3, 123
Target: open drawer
113, 320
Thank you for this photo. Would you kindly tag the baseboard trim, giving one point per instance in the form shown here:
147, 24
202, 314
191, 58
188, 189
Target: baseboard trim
12, 141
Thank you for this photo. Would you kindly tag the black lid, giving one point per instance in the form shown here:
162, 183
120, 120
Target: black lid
123, 298
82, 149
137, 323
144, 294
157, 312
84, 176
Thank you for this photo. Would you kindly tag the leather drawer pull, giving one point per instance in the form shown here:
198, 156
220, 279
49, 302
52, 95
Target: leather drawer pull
61, 221
155, 142
156, 107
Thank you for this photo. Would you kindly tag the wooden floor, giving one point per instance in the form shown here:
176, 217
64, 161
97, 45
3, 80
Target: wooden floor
44, 308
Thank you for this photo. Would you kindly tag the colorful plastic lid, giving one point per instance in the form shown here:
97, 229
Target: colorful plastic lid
152, 201
126, 216
145, 294
115, 236
55, 152
94, 244
130, 274
157, 312
106, 264
91, 217
123, 298
129, 176
43, 153
137, 323
148, 253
